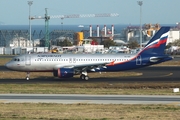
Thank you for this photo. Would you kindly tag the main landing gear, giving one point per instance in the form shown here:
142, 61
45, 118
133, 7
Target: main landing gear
27, 76
84, 76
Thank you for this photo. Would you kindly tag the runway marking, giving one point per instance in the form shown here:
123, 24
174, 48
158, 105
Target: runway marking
159, 76
170, 74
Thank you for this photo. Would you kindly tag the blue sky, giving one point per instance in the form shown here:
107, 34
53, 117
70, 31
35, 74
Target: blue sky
16, 12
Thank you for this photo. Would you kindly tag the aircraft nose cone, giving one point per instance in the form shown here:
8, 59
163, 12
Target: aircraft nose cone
7, 65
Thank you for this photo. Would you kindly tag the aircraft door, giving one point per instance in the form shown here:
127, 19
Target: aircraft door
74, 60
70, 60
138, 60
28, 60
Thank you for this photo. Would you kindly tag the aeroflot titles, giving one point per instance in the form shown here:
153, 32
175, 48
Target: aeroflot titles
60, 56
49, 55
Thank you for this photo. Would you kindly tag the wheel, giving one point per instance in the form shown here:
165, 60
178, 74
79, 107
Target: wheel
27, 78
86, 77
82, 76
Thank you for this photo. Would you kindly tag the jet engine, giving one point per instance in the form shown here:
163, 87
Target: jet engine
63, 72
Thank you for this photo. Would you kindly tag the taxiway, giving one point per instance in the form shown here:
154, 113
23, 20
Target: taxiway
91, 99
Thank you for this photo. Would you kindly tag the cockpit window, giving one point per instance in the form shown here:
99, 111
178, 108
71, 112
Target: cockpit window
16, 59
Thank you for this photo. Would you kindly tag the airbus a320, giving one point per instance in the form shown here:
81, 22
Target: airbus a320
67, 65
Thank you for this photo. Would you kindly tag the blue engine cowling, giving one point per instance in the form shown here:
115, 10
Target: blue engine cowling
64, 72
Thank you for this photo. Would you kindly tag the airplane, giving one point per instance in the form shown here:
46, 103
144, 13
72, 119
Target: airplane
68, 65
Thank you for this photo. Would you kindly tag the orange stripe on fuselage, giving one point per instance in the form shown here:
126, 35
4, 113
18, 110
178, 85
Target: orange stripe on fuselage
110, 64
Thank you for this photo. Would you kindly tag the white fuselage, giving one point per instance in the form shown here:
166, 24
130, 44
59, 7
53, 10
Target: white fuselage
49, 62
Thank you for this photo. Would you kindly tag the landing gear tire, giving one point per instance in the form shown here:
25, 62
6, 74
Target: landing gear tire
27, 78
84, 77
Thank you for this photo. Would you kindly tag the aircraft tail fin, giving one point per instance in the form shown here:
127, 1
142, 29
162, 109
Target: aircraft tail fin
157, 43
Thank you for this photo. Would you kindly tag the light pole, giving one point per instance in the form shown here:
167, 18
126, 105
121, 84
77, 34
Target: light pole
178, 29
140, 30
62, 22
30, 3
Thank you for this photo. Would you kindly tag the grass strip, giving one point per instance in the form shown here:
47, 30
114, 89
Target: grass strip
91, 88
83, 111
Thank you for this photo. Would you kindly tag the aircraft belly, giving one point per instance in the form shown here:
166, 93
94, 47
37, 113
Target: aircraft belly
43, 69
39, 68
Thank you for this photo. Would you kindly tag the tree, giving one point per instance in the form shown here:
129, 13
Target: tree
175, 43
133, 44
168, 45
107, 43
65, 42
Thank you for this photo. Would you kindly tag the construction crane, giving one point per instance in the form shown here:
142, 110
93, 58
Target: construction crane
47, 18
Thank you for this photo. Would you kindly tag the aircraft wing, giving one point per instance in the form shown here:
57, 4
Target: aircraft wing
90, 67
84, 67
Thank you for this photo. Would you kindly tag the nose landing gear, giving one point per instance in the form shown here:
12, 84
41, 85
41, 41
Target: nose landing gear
27, 76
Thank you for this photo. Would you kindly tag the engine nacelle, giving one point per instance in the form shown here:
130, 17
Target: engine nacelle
64, 72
